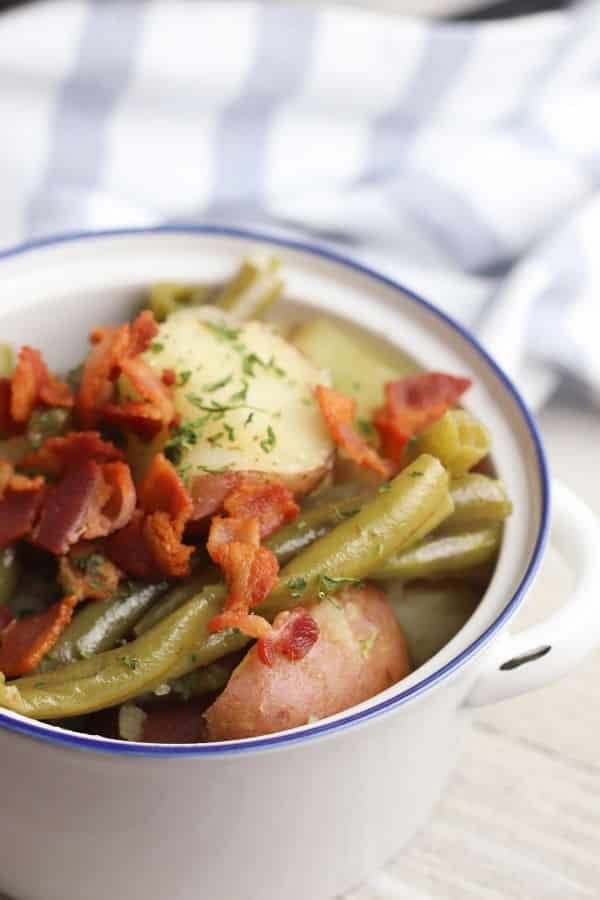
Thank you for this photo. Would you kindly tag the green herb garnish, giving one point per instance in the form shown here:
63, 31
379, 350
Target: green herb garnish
223, 331
268, 443
132, 662
296, 586
215, 385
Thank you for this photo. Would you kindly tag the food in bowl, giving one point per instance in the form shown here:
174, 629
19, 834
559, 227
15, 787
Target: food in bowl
219, 526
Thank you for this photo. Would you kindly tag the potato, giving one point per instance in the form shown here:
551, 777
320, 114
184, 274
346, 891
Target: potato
360, 651
245, 397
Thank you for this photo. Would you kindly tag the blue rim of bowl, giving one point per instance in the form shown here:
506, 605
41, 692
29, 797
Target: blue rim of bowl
120, 748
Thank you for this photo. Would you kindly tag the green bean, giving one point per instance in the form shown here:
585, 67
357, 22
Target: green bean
312, 523
100, 626
431, 615
457, 439
167, 297
477, 499
118, 675
7, 361
47, 422
171, 601
9, 573
354, 369
442, 555
411, 505
402, 512
211, 678
252, 290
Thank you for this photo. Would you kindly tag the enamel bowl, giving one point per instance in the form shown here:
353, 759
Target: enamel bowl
310, 812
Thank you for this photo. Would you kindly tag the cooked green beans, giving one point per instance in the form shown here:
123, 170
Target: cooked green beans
45, 423
442, 556
100, 626
409, 507
172, 600
403, 511
477, 499
458, 440
252, 290
167, 297
9, 573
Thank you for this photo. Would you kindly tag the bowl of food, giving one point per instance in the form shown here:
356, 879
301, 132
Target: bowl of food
265, 517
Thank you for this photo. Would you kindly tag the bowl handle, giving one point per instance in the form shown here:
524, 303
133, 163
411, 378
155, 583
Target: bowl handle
543, 653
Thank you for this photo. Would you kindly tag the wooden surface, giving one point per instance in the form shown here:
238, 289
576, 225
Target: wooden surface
520, 820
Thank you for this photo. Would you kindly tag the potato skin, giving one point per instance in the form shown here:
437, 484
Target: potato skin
360, 652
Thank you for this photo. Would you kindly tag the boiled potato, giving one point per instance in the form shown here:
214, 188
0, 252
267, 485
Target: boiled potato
245, 397
360, 651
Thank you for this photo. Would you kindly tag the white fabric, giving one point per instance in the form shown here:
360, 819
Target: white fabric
463, 160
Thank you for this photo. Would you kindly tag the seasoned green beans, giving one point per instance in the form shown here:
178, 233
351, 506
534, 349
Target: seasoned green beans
458, 440
442, 556
253, 289
477, 499
172, 600
100, 626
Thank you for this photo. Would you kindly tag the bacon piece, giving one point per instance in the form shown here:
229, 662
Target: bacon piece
6, 616
250, 624
32, 383
151, 546
87, 574
63, 519
339, 412
226, 531
129, 549
8, 426
411, 404
25, 643
101, 368
293, 635
256, 497
164, 540
57, 454
208, 493
114, 503
162, 490
21, 498
169, 377
143, 332
148, 416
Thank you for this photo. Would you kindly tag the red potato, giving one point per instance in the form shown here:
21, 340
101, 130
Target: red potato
360, 652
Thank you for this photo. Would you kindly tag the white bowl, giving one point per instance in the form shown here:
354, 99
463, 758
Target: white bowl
306, 813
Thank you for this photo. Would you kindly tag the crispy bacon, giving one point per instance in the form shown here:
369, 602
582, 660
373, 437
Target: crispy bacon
250, 624
293, 634
32, 383
411, 404
208, 493
143, 332
8, 426
227, 530
87, 574
6, 616
20, 501
339, 411
25, 643
155, 410
164, 540
162, 490
169, 377
101, 368
253, 496
57, 454
90, 500
129, 549
152, 545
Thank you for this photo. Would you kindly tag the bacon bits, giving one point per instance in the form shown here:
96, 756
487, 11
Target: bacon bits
24, 644
87, 574
411, 404
254, 496
32, 384
339, 412
20, 501
293, 634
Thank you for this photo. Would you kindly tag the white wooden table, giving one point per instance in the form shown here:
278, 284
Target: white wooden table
520, 819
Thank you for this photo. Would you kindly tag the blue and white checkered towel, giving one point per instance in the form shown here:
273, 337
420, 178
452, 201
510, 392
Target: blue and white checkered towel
463, 160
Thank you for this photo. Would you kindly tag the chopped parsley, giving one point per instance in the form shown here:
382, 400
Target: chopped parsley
230, 431
132, 662
215, 385
222, 331
296, 586
342, 514
331, 584
268, 443
241, 395
214, 470
184, 436
215, 439
252, 360
183, 378
416, 474
301, 523
249, 418
156, 347
384, 488
365, 426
